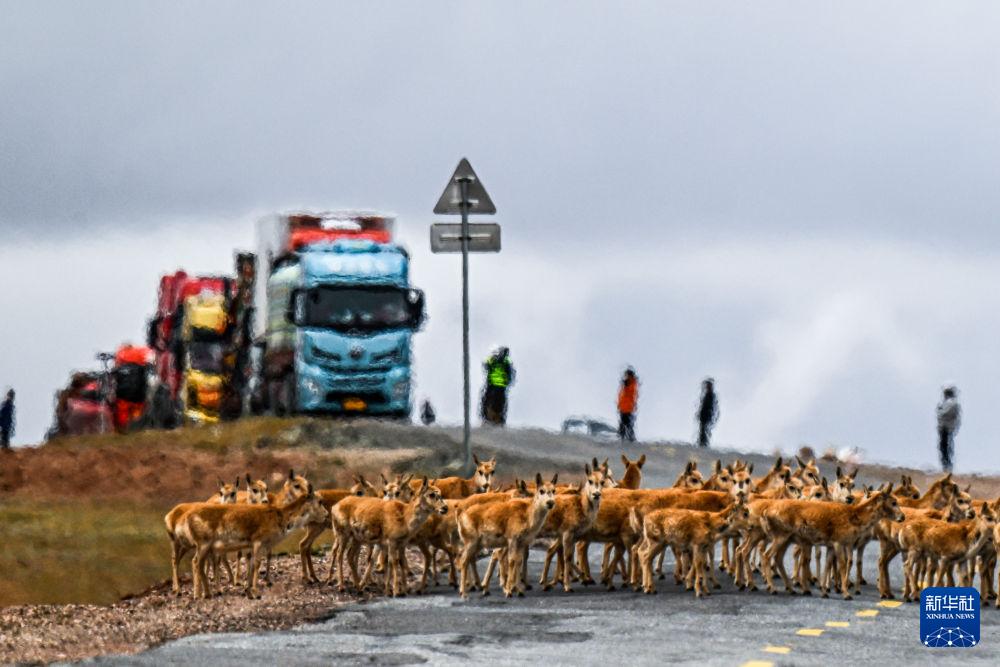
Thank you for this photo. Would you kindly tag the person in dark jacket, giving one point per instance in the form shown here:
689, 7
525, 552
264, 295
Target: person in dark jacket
708, 412
499, 377
427, 415
949, 418
7, 420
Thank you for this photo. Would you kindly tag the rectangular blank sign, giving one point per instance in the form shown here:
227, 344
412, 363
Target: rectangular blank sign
447, 237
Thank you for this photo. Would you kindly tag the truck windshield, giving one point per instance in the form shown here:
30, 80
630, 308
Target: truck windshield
353, 308
205, 357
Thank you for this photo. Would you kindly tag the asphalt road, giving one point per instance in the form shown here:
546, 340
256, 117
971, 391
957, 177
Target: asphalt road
592, 625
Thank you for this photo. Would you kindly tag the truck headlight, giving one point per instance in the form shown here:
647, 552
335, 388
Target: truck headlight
312, 387
401, 389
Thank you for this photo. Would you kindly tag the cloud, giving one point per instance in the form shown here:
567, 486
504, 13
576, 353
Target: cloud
656, 120
798, 200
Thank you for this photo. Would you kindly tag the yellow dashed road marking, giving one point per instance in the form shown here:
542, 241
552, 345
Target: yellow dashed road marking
867, 613
757, 663
809, 632
783, 650
891, 604
838, 624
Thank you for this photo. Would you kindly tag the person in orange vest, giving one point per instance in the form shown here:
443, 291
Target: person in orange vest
628, 403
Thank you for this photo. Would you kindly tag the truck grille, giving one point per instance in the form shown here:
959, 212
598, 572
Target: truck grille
323, 354
355, 360
363, 382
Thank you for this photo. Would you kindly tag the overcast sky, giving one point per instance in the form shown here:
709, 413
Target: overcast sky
799, 199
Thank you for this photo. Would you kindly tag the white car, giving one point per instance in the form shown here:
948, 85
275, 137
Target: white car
594, 428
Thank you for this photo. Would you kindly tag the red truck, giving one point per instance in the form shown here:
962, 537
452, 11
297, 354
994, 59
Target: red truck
116, 397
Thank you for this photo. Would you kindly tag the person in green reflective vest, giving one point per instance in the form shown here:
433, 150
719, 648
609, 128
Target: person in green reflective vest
499, 377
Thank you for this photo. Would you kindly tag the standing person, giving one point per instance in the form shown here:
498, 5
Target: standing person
427, 416
7, 420
949, 418
628, 403
708, 411
499, 377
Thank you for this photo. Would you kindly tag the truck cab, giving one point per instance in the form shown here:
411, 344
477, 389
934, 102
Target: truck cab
340, 318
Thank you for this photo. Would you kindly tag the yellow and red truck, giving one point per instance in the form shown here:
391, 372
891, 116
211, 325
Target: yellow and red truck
202, 336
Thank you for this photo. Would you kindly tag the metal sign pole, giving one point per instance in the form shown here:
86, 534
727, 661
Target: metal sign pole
464, 186
465, 195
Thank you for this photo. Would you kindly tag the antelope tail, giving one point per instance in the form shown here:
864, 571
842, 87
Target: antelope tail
634, 522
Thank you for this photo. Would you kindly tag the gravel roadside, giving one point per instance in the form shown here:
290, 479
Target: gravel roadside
33, 634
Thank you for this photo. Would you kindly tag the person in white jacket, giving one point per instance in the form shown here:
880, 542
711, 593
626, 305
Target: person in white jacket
949, 418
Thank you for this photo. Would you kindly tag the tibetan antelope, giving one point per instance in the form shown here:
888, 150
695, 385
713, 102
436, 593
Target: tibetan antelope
256, 492
456, 488
941, 545
510, 525
888, 534
842, 489
735, 480
570, 518
399, 488
179, 545
936, 496
772, 478
328, 498
439, 534
834, 525
690, 478
631, 479
611, 527
807, 472
752, 537
389, 524
907, 490
218, 529
691, 534
227, 493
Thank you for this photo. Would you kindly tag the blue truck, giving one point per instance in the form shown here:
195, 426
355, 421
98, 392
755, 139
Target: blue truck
339, 315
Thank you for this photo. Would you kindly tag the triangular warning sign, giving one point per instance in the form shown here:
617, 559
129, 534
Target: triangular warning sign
451, 199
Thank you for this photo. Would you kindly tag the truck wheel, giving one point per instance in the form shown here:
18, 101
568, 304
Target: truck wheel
178, 418
273, 390
402, 416
257, 404
287, 391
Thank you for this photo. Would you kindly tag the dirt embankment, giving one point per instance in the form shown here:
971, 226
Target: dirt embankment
161, 468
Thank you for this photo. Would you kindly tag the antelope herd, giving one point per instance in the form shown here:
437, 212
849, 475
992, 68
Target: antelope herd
941, 534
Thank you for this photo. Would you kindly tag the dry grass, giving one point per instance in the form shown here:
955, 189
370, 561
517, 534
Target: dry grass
82, 553
60, 552
245, 432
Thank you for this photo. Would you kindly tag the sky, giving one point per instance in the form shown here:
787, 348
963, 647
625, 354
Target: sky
798, 199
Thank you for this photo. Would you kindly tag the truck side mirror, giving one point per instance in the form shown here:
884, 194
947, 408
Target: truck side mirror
152, 332
296, 311
415, 302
